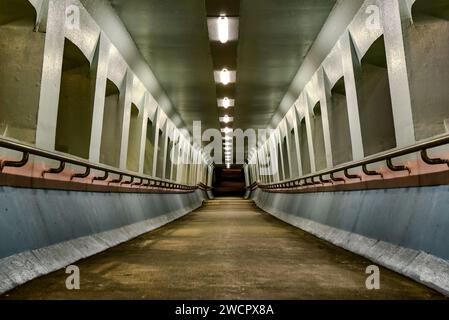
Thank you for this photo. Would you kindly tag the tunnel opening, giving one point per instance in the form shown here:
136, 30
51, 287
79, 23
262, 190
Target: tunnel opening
110, 136
149, 149
304, 148
229, 182
427, 43
318, 138
74, 122
375, 107
21, 53
134, 138
293, 153
339, 124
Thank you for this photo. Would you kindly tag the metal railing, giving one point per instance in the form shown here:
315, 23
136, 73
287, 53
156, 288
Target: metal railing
387, 156
134, 179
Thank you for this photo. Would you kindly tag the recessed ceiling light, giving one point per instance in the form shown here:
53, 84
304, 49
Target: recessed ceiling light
223, 29
226, 119
225, 77
226, 130
226, 103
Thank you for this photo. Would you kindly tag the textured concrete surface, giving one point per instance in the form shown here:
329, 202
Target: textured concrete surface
31, 219
228, 249
381, 225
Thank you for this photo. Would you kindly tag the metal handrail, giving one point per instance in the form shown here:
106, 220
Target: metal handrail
204, 187
64, 159
387, 156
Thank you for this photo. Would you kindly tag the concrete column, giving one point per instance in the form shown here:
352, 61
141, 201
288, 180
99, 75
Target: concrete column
307, 114
297, 144
156, 139
281, 169
143, 136
173, 154
210, 176
289, 151
51, 76
125, 102
101, 63
182, 161
397, 73
325, 102
165, 148
351, 65
245, 171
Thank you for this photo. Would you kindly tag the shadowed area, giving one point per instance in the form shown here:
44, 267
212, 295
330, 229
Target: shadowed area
200, 257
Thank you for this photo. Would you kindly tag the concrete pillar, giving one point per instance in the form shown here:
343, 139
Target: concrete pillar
143, 137
165, 148
156, 139
279, 147
101, 64
174, 154
308, 115
397, 73
51, 76
296, 123
289, 151
351, 66
125, 100
325, 102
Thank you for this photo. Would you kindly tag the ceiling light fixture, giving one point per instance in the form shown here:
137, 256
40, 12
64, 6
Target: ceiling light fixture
225, 77
226, 119
226, 131
226, 103
223, 29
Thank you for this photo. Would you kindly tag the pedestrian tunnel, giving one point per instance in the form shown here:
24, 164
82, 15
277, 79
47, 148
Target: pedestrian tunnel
224, 150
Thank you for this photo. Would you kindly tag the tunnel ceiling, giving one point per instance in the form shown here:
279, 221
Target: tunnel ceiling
172, 36
274, 38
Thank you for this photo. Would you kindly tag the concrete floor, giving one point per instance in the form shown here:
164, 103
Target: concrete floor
228, 249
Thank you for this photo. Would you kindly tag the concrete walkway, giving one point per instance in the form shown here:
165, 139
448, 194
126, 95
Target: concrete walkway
228, 249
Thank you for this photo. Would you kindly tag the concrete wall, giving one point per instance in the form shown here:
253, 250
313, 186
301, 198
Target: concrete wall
58, 71
21, 56
404, 229
339, 125
427, 42
44, 230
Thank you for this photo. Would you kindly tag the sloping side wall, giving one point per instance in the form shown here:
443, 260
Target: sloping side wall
44, 230
406, 230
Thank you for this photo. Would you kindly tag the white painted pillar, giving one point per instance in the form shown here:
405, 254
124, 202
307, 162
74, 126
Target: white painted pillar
325, 102
101, 63
351, 65
156, 140
51, 77
143, 136
296, 125
308, 118
125, 101
397, 73
165, 148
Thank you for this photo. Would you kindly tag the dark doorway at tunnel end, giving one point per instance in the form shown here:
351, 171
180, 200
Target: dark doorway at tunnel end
229, 182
